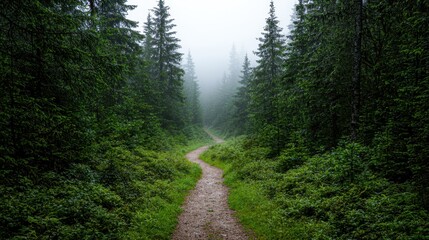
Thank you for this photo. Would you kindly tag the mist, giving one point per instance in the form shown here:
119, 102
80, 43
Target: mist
209, 29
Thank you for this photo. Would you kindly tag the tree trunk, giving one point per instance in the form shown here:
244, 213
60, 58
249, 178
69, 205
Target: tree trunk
357, 62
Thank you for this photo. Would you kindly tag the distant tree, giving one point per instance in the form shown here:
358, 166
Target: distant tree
191, 92
221, 106
220, 114
242, 100
234, 70
148, 42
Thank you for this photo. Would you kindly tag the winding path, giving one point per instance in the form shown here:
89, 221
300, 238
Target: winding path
206, 214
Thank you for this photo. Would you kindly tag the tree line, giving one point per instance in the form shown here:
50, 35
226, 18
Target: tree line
348, 71
78, 82
335, 123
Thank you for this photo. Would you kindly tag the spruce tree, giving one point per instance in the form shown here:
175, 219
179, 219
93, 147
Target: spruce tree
242, 99
265, 86
146, 80
167, 71
148, 43
191, 92
234, 71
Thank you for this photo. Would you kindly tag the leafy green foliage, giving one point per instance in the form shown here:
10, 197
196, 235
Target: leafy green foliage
318, 198
84, 148
351, 71
164, 62
131, 193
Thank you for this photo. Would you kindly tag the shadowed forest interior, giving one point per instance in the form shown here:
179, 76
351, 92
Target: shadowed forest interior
327, 130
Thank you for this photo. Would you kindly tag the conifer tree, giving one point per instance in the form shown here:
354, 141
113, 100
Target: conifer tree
122, 47
191, 91
242, 99
223, 108
234, 70
168, 73
265, 86
146, 79
148, 43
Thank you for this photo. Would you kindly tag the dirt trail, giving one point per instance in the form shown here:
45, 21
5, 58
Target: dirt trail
206, 214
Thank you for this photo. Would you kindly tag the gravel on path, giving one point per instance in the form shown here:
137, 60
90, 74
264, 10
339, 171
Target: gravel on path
206, 214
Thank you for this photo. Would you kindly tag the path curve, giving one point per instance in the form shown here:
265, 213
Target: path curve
206, 214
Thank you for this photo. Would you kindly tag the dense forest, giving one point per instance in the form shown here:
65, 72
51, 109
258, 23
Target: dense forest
335, 118
94, 118
329, 130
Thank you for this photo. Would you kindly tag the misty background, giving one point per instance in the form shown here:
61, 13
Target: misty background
209, 29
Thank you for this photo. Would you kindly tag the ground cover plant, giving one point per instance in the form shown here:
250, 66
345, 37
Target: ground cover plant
302, 196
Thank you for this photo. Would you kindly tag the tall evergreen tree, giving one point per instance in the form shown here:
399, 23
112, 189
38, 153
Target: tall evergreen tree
242, 100
317, 99
168, 73
146, 79
148, 42
234, 70
122, 48
192, 92
265, 85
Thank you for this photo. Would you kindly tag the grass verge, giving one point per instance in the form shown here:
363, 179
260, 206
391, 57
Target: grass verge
252, 208
157, 217
299, 196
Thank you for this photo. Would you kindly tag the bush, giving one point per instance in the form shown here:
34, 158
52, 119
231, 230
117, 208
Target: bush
335, 195
127, 191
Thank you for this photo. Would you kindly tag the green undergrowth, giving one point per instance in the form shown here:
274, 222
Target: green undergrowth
125, 192
218, 133
156, 215
335, 195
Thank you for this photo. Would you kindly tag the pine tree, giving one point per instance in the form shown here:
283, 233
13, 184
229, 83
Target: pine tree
146, 79
234, 70
148, 43
265, 85
119, 33
242, 99
222, 110
317, 82
191, 92
168, 74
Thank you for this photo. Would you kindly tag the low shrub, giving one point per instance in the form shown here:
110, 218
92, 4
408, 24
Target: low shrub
335, 195
127, 191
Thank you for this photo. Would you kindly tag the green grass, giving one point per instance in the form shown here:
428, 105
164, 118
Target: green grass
297, 196
252, 208
157, 219
129, 189
160, 219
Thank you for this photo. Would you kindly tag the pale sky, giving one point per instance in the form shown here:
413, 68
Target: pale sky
209, 29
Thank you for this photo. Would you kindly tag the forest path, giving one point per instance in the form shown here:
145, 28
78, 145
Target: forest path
206, 214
